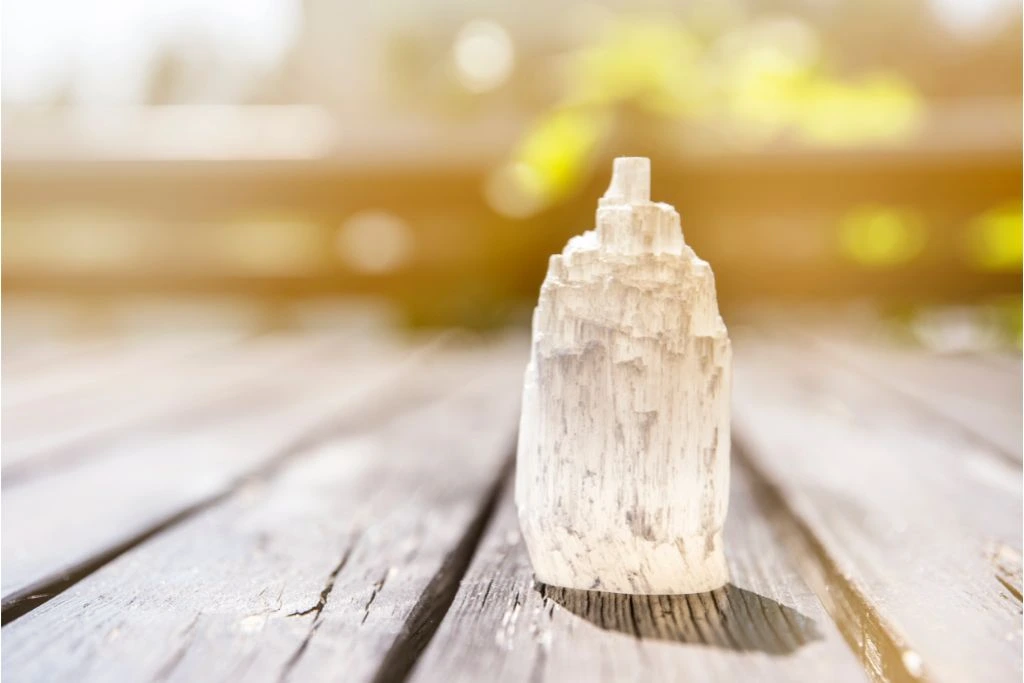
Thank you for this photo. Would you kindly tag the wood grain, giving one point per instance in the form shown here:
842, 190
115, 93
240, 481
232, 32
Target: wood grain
906, 507
63, 427
56, 525
331, 570
981, 392
314, 521
765, 625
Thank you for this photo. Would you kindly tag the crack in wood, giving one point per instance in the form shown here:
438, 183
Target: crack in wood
373, 596
483, 601
317, 610
321, 602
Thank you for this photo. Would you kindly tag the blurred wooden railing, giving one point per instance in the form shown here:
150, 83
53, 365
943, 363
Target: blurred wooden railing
93, 229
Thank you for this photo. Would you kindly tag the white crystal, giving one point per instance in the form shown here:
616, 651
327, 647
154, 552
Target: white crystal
622, 476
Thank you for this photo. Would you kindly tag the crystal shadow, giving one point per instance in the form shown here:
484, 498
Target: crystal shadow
730, 618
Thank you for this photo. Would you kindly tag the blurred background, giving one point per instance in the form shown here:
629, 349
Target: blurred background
176, 165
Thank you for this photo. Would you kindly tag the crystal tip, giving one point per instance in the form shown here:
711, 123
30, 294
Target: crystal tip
631, 181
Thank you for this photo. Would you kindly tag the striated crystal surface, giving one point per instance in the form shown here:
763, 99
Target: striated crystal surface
622, 470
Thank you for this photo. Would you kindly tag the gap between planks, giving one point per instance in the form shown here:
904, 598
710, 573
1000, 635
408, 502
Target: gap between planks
882, 651
765, 625
871, 630
407, 470
704, 620
886, 491
376, 406
884, 654
161, 473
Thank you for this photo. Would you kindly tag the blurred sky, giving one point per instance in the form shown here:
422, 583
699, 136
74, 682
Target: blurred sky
106, 48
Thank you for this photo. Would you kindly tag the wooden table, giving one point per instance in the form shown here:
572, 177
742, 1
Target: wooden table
338, 508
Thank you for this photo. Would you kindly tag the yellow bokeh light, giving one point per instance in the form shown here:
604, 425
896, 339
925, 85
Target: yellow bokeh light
550, 161
994, 239
766, 78
877, 109
653, 64
881, 237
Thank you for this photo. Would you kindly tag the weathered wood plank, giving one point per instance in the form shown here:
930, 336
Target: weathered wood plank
330, 570
54, 374
766, 625
67, 426
55, 525
981, 393
906, 507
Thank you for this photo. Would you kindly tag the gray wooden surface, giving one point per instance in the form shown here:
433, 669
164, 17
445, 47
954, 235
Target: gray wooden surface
123, 487
766, 625
907, 507
337, 507
976, 392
